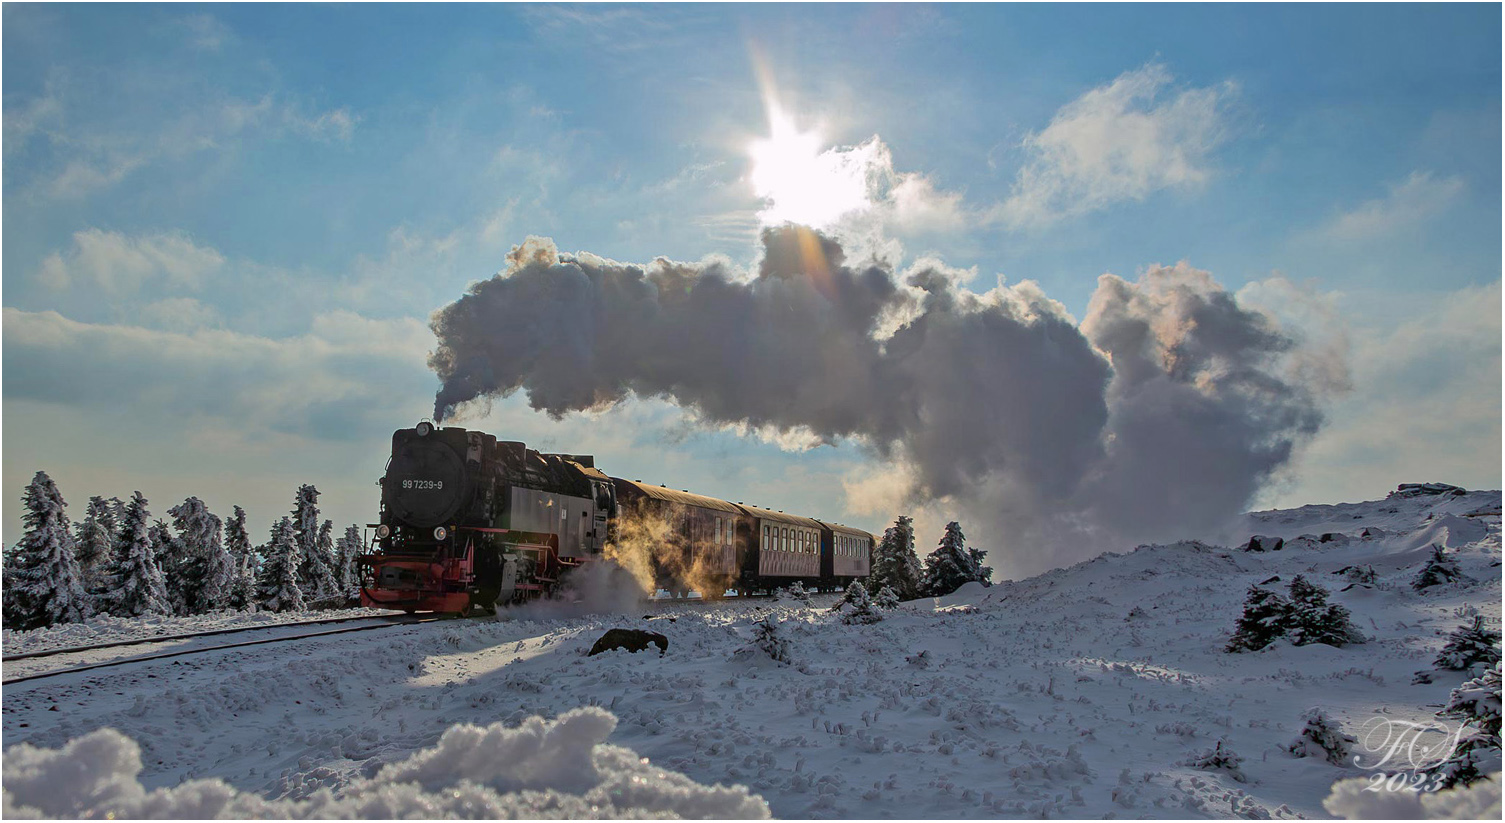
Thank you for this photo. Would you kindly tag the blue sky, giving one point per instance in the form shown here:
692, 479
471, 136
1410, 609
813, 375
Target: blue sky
225, 226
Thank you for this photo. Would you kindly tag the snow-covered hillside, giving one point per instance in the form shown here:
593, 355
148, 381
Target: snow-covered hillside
1078, 693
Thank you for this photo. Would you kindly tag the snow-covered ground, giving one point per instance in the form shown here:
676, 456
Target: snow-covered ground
1073, 694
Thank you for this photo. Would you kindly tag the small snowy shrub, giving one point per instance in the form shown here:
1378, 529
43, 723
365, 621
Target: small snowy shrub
1264, 620
886, 598
1439, 569
1219, 758
795, 591
1306, 617
1313, 620
856, 606
1470, 645
1476, 704
766, 636
1322, 737
1363, 575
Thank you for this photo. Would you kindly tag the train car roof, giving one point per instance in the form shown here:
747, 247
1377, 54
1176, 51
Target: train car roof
837, 527
767, 514
589, 471
681, 497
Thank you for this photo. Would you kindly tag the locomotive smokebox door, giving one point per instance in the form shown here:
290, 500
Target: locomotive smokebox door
425, 482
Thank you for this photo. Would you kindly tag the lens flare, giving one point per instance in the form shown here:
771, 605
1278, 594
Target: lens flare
799, 182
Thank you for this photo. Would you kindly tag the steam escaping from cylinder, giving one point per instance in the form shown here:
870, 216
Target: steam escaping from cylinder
594, 588
1159, 415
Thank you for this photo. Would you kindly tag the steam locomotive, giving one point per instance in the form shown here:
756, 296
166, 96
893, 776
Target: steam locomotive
469, 522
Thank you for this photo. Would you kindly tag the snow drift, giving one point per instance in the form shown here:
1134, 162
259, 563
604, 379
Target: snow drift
998, 403
1355, 799
542, 769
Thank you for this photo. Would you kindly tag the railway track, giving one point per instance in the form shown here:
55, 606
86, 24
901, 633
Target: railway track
166, 638
400, 620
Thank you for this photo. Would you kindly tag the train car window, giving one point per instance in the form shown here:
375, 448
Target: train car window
765, 537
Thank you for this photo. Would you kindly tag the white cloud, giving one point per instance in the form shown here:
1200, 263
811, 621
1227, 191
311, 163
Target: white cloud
177, 314
22, 119
1417, 198
273, 117
119, 264
1122, 141
341, 379
88, 156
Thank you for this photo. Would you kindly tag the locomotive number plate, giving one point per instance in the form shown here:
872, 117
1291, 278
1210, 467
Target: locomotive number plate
423, 484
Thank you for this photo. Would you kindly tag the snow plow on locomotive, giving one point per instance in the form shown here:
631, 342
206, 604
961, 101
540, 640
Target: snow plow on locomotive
469, 522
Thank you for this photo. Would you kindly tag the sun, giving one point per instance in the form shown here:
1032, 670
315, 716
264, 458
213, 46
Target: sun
799, 182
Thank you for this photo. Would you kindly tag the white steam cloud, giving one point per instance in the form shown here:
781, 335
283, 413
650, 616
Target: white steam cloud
1160, 415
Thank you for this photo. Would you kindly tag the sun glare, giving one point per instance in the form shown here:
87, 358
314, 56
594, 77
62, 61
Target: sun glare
799, 182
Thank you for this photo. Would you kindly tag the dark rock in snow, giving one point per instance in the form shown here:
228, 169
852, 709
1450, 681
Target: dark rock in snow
633, 640
1425, 489
1260, 543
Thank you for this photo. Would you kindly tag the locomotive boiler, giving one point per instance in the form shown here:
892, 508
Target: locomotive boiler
468, 522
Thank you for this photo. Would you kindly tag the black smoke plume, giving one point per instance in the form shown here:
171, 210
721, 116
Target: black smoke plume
1161, 414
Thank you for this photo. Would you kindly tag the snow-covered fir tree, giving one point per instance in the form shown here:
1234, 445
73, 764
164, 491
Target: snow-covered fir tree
277, 588
894, 562
7, 579
135, 581
1476, 704
171, 560
984, 572
1314, 620
1322, 737
95, 540
1470, 645
856, 606
1440, 568
951, 565
1264, 620
47, 584
350, 547
766, 636
886, 599
208, 571
242, 594
117, 512
315, 572
335, 587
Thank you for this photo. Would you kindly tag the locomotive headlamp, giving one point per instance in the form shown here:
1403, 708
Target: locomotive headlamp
383, 531
424, 428
441, 533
